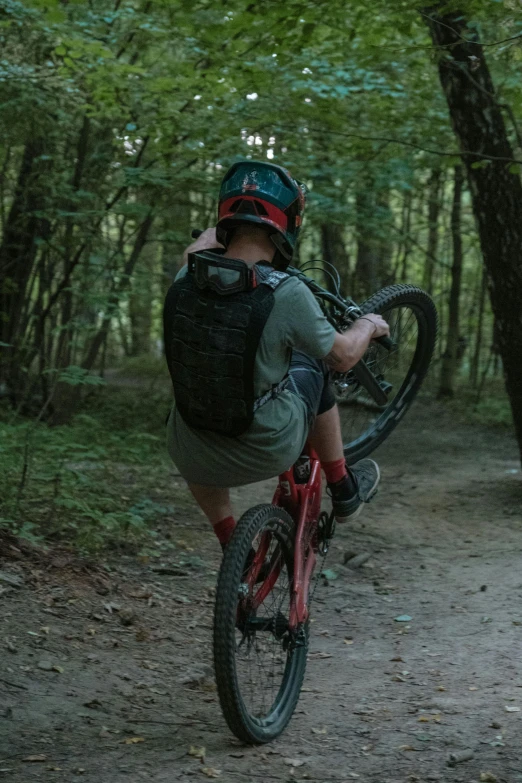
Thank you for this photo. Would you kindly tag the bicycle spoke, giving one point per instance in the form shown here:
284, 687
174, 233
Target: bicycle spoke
260, 658
361, 412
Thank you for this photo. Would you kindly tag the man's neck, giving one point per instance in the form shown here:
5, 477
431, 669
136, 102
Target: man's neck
251, 251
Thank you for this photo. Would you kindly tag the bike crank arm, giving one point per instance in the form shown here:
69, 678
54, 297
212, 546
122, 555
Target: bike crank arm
368, 380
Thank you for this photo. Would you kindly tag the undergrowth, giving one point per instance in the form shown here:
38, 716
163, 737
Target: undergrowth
103, 481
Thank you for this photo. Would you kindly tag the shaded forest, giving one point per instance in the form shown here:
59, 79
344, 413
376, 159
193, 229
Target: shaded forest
118, 120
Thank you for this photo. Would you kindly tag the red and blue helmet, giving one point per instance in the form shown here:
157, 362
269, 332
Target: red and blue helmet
263, 194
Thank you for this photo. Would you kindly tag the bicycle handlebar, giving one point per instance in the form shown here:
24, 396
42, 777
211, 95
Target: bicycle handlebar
315, 288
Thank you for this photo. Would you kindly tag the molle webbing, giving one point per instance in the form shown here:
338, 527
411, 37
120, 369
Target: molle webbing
211, 343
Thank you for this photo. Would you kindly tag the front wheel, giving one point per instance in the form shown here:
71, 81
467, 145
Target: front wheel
412, 317
259, 662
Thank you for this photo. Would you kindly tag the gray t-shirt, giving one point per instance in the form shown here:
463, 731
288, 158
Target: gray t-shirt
279, 430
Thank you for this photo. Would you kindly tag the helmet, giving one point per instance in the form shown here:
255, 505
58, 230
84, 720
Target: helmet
263, 194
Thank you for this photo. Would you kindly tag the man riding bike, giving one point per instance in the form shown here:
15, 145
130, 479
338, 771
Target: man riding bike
249, 352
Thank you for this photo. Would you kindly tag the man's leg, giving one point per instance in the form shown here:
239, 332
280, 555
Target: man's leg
325, 437
348, 487
215, 503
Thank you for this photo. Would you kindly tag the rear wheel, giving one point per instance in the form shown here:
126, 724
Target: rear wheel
259, 663
412, 317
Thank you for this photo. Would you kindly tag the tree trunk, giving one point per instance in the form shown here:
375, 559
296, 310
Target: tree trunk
449, 359
434, 187
17, 257
140, 302
67, 399
475, 362
372, 264
496, 189
335, 253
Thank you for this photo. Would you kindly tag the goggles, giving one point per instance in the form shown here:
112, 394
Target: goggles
222, 275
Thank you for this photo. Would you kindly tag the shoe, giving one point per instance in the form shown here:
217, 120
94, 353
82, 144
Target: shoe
346, 503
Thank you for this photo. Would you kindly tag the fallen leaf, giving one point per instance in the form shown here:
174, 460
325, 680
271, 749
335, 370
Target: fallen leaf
319, 731
133, 740
397, 658
348, 641
112, 607
488, 777
198, 753
329, 574
403, 618
406, 747
293, 762
39, 757
473, 688
45, 629
11, 579
511, 709
210, 772
150, 665
313, 655
58, 669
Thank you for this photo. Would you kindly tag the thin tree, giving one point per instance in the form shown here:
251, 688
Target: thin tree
449, 359
495, 186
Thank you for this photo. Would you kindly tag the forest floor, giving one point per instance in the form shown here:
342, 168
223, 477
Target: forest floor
105, 671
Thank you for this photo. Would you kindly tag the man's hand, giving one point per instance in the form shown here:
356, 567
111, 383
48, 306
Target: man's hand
350, 346
206, 241
381, 328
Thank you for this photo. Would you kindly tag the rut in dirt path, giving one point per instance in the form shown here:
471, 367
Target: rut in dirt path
384, 700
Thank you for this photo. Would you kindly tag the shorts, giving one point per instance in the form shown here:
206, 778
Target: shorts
310, 380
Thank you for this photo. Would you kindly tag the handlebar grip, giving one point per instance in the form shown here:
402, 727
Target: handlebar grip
386, 342
195, 233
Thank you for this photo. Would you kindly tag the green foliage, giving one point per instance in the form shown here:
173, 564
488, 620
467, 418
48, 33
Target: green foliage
99, 482
78, 376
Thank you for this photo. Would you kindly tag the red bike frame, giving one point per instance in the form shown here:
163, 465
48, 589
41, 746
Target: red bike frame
303, 503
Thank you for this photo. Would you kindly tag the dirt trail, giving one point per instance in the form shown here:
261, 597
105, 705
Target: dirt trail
126, 702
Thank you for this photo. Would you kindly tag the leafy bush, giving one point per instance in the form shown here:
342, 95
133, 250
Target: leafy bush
99, 482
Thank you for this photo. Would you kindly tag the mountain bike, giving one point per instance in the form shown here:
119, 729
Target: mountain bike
266, 580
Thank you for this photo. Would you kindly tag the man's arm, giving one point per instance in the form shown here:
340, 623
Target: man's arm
350, 346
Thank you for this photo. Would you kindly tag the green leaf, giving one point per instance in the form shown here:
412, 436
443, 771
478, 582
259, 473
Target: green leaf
480, 164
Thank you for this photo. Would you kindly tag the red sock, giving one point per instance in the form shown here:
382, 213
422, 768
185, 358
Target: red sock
335, 470
224, 529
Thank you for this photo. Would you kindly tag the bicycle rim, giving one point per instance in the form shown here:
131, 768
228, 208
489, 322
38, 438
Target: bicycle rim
413, 325
259, 667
